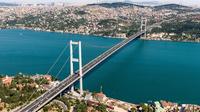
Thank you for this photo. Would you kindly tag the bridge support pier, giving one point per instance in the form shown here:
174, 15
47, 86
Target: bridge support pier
144, 27
78, 60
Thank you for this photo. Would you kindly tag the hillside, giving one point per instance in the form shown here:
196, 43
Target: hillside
172, 7
7, 4
115, 5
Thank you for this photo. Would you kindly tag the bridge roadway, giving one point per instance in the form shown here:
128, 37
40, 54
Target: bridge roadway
66, 83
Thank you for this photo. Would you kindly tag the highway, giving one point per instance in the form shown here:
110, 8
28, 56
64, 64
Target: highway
66, 83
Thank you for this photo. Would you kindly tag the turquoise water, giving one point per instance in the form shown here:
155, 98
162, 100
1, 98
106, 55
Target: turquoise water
142, 71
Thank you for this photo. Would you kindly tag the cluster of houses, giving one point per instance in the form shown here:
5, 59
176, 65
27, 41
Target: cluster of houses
121, 106
7, 80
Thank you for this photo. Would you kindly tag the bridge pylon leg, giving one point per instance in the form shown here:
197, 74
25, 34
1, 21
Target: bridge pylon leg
144, 27
71, 63
79, 60
80, 69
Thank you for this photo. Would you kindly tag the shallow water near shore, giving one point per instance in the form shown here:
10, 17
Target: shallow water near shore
140, 72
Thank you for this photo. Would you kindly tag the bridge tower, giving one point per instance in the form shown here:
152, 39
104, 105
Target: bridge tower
77, 60
144, 27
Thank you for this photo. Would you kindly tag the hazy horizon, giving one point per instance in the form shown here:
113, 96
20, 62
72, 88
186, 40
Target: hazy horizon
183, 2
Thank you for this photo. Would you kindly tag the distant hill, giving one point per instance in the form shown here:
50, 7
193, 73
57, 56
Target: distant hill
7, 4
172, 7
148, 3
115, 5
197, 10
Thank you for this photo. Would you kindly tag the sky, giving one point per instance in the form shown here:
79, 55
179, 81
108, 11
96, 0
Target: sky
183, 2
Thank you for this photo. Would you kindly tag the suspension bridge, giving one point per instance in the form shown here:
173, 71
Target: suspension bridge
78, 75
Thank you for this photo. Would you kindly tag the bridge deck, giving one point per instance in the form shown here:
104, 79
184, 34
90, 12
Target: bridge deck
55, 91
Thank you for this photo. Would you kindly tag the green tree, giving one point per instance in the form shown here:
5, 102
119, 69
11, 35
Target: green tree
42, 81
1, 82
81, 107
101, 108
146, 108
66, 101
133, 110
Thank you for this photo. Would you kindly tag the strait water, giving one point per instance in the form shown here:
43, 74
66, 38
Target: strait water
141, 72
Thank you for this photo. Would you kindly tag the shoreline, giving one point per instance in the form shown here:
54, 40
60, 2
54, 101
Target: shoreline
41, 30
57, 80
171, 41
99, 36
